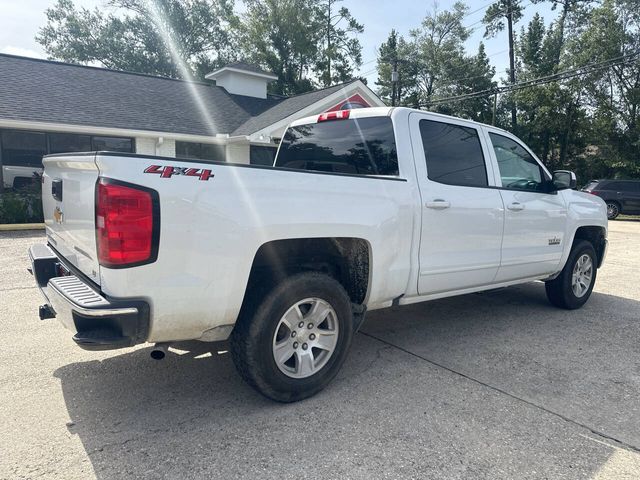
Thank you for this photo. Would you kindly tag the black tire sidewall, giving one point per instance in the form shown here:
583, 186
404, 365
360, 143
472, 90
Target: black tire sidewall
269, 379
580, 249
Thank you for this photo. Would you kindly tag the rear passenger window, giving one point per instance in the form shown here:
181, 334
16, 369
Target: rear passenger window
453, 154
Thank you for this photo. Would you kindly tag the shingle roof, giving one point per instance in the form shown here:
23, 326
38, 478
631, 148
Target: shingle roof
46, 91
285, 108
55, 92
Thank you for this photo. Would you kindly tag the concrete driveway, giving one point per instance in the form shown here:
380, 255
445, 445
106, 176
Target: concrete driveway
491, 385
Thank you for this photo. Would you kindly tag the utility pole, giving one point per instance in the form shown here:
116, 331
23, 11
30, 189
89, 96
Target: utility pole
495, 104
394, 82
512, 66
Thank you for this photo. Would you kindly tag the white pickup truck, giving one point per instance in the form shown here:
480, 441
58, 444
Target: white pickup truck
362, 210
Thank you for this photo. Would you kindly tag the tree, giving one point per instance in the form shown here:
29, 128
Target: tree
494, 18
397, 53
474, 74
283, 36
437, 47
613, 32
434, 65
163, 37
340, 51
297, 39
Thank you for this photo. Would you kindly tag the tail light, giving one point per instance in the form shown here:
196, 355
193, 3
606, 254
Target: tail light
335, 115
127, 224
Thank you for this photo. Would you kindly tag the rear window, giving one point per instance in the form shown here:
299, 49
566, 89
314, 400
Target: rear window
590, 186
362, 146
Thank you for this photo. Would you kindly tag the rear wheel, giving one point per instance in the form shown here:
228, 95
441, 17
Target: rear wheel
291, 342
613, 210
573, 287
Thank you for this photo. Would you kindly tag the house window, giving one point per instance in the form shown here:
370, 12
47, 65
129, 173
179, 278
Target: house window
69, 142
261, 155
24, 148
200, 151
112, 144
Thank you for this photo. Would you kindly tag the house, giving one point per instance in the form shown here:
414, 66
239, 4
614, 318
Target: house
51, 107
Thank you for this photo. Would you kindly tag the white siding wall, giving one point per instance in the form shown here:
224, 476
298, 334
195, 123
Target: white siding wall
167, 149
242, 84
238, 153
149, 146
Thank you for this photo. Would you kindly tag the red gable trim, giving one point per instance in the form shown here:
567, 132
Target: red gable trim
354, 99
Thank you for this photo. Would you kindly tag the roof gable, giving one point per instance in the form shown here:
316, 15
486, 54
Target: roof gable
288, 106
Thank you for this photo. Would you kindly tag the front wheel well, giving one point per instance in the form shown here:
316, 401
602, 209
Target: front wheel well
594, 235
343, 258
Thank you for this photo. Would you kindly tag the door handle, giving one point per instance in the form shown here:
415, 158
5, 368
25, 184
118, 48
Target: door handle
438, 204
516, 206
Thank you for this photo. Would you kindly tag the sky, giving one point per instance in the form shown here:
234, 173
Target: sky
20, 21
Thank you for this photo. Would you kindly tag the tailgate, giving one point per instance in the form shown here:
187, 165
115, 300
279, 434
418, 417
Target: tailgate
68, 202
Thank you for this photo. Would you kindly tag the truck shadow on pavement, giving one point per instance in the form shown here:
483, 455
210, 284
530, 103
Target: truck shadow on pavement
489, 382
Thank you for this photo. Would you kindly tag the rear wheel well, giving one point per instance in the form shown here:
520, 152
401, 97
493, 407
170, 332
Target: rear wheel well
345, 259
595, 236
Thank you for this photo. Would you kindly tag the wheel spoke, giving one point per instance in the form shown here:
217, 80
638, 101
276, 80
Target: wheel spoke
305, 365
292, 318
326, 340
319, 313
283, 351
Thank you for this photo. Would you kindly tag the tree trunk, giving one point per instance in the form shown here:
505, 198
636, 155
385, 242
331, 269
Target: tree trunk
512, 63
564, 146
545, 147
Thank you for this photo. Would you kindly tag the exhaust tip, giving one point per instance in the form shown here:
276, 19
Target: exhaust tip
157, 354
159, 351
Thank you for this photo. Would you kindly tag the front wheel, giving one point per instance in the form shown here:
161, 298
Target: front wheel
290, 343
572, 288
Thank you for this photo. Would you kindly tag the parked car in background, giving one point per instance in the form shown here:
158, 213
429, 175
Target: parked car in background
621, 196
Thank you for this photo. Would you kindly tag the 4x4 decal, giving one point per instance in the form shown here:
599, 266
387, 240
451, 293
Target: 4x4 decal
168, 172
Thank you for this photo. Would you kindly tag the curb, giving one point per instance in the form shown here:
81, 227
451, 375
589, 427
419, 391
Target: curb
12, 227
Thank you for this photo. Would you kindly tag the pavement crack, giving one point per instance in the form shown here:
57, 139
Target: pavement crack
594, 431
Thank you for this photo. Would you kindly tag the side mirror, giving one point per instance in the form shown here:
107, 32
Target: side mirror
564, 179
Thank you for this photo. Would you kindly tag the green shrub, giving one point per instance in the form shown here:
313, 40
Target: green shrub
21, 206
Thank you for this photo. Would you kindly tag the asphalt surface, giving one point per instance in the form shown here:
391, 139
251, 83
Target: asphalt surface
492, 385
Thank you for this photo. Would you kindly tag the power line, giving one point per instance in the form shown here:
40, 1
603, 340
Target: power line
503, 11
556, 77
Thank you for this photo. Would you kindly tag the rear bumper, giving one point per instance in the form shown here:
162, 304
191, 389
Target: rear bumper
98, 321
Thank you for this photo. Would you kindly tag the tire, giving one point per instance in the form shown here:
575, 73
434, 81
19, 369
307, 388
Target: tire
613, 210
561, 291
262, 331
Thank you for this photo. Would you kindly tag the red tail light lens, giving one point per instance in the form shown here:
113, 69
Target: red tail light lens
127, 224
